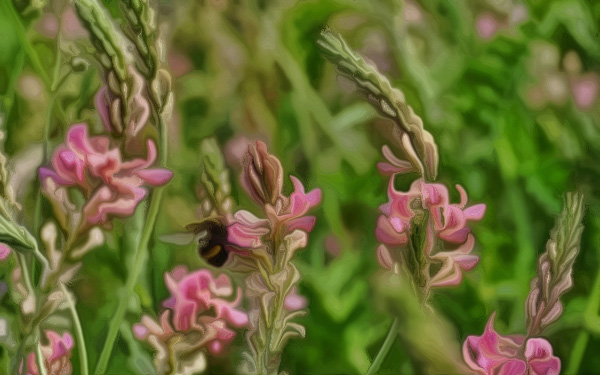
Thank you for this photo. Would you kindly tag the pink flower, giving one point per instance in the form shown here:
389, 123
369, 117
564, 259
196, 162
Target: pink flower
197, 310
56, 356
492, 353
5, 252
115, 185
447, 224
291, 211
487, 26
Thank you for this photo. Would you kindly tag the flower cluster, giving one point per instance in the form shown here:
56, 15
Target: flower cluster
262, 179
448, 240
492, 353
114, 186
197, 316
57, 356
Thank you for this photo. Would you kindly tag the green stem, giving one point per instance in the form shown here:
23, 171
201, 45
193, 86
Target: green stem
577, 352
140, 256
385, 348
39, 356
78, 333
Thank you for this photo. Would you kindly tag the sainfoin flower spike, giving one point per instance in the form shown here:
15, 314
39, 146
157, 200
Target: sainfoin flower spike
113, 187
197, 318
264, 247
492, 353
57, 356
446, 238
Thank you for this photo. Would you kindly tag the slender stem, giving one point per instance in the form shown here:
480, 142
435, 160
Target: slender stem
577, 352
385, 348
39, 356
140, 256
83, 361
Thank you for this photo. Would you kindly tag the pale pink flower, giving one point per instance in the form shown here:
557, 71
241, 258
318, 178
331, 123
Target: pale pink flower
57, 356
492, 353
5, 252
114, 186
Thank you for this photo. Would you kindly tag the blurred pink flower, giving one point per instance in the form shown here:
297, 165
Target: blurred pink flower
492, 353
114, 187
486, 26
585, 90
5, 252
197, 305
56, 356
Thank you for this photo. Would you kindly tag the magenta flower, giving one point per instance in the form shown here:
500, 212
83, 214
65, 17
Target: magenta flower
492, 353
56, 356
446, 225
197, 316
114, 186
5, 252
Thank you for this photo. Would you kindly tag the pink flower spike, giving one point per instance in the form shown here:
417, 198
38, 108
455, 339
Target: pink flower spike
5, 252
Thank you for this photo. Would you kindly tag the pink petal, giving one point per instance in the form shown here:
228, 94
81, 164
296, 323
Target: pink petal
155, 177
305, 223
475, 212
384, 257
386, 233
140, 331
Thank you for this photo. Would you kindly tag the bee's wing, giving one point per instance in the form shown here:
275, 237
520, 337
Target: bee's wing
183, 238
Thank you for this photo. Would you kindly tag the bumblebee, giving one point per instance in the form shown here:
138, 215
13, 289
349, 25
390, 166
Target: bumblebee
211, 235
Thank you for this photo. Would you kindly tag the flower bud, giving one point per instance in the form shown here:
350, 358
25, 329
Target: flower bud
262, 176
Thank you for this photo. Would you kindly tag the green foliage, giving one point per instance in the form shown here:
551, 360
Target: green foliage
253, 69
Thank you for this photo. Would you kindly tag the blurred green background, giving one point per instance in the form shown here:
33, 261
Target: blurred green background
509, 91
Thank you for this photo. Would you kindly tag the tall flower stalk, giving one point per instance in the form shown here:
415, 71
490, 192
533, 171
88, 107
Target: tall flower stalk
138, 92
264, 248
420, 231
493, 353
